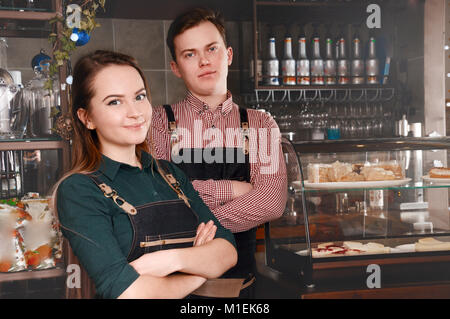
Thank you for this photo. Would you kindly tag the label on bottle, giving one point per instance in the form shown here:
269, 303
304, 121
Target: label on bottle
272, 69
317, 72
330, 80
303, 72
288, 72
303, 80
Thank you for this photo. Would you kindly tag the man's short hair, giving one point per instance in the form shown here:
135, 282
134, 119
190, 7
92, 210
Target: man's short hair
190, 19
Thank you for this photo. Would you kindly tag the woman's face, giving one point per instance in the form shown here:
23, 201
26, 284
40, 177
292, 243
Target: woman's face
119, 110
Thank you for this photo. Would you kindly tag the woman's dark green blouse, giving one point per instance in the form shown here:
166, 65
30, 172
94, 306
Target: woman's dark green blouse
100, 232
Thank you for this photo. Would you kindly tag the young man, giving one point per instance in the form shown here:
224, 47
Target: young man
232, 155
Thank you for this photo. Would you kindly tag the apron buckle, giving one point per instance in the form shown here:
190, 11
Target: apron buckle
130, 209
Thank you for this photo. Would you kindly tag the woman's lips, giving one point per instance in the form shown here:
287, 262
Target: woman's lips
135, 126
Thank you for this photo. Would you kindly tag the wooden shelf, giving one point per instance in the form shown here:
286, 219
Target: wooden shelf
323, 87
26, 15
8, 145
32, 274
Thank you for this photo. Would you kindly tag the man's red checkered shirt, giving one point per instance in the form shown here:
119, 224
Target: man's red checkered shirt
267, 200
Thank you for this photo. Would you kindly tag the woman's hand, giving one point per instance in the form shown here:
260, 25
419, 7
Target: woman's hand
205, 233
160, 263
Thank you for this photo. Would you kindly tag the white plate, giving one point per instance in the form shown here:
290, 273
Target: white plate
351, 185
429, 179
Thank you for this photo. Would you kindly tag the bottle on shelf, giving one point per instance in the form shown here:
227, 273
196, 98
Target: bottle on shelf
357, 61
317, 70
372, 63
343, 68
288, 63
303, 73
330, 63
271, 65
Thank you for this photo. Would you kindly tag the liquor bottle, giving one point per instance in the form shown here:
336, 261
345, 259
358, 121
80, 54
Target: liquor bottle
271, 65
259, 67
303, 74
317, 71
343, 65
372, 63
330, 63
357, 62
288, 63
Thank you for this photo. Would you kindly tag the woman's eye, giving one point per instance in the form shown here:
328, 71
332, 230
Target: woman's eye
114, 102
141, 97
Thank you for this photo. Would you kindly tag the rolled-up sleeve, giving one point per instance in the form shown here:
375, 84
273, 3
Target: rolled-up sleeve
86, 222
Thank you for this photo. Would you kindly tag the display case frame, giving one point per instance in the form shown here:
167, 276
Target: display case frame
399, 270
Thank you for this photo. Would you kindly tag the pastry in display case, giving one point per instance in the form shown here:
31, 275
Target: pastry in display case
363, 205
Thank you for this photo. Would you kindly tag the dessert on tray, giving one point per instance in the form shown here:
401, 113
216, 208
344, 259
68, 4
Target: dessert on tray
357, 172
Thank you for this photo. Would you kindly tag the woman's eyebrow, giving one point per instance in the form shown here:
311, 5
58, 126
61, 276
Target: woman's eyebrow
121, 95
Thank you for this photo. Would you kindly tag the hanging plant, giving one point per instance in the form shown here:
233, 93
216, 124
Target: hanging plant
72, 36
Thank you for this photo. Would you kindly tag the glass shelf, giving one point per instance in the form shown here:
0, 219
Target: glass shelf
409, 186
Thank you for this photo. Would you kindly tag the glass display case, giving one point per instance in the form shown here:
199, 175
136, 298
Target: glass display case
364, 207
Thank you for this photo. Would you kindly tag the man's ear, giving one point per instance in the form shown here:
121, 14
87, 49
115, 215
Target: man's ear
84, 118
230, 55
175, 70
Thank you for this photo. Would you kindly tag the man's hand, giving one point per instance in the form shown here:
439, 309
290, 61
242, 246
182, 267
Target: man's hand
240, 188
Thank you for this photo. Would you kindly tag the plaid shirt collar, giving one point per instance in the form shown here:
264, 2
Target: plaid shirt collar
199, 106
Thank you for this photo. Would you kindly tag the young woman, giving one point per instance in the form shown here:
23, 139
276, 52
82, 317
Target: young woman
137, 226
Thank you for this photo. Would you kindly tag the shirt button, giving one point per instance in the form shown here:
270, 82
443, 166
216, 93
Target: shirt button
213, 126
222, 203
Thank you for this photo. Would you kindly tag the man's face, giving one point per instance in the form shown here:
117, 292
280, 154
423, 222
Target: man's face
202, 60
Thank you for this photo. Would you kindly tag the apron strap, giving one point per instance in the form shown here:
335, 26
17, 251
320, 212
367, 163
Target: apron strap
172, 124
244, 129
174, 184
111, 193
162, 242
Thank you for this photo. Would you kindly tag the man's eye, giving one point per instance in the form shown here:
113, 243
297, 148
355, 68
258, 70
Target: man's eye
141, 97
212, 49
189, 55
114, 102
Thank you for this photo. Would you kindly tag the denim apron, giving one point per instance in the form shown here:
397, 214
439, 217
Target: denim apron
157, 225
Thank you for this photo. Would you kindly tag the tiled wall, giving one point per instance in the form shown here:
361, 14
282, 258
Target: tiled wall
143, 39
